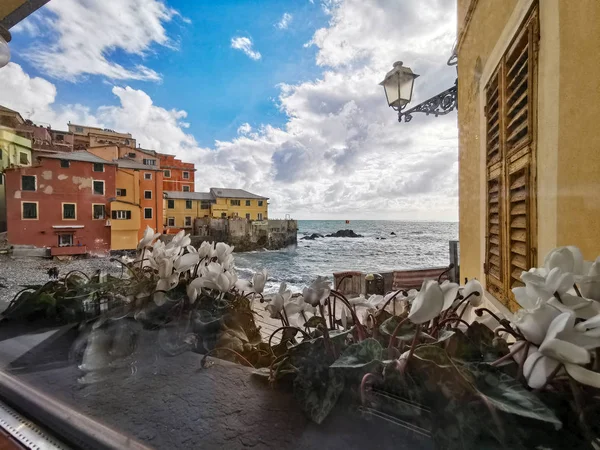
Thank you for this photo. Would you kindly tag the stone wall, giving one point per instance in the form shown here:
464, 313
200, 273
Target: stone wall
246, 235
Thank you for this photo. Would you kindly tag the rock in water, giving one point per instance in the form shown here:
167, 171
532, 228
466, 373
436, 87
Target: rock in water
345, 233
392, 234
312, 237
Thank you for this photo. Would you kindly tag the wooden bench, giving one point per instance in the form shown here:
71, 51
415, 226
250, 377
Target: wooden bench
413, 279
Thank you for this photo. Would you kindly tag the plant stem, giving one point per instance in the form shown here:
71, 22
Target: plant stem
413, 345
557, 296
395, 333
577, 290
326, 340
287, 327
329, 314
522, 362
551, 377
450, 267
399, 291
579, 409
363, 386
362, 334
513, 351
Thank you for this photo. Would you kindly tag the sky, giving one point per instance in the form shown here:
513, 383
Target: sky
278, 97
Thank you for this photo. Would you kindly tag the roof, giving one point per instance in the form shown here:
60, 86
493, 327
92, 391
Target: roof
234, 193
6, 111
80, 155
188, 195
129, 164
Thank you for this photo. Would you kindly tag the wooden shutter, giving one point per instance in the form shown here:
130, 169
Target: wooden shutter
510, 165
494, 261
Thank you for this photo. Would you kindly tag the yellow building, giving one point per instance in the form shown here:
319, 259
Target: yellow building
14, 151
181, 208
529, 159
125, 211
239, 203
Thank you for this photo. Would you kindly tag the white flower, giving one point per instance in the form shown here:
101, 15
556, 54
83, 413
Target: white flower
450, 291
258, 281
543, 287
372, 303
534, 323
206, 250
428, 303
180, 240
148, 238
590, 327
228, 262
474, 287
186, 262
213, 277
165, 267
567, 259
582, 307
232, 278
277, 304
243, 286
565, 344
222, 250
590, 282
192, 293
317, 292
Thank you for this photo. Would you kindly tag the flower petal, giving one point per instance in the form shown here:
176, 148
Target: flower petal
523, 298
534, 324
583, 375
450, 291
428, 303
471, 287
565, 351
537, 369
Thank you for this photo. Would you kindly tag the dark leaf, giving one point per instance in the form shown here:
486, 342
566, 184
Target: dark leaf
406, 332
315, 321
317, 389
363, 355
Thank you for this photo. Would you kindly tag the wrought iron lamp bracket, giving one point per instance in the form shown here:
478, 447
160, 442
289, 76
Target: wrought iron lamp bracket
438, 105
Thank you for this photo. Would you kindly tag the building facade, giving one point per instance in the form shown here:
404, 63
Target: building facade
231, 203
61, 203
85, 137
177, 175
529, 163
15, 151
181, 208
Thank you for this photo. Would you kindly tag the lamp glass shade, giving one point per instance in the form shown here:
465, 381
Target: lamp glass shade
398, 85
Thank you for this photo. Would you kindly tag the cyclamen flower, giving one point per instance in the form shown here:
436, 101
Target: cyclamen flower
258, 281
317, 292
276, 306
428, 303
148, 238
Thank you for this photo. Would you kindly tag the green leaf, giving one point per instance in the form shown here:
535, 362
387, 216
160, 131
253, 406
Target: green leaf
363, 355
315, 321
459, 346
509, 395
407, 330
317, 390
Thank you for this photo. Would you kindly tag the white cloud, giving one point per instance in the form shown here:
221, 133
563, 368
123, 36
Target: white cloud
244, 128
341, 153
80, 36
245, 44
284, 22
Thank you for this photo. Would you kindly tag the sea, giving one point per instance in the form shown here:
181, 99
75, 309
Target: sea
413, 245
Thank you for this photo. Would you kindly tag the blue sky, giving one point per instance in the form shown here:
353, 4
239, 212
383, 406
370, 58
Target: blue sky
276, 97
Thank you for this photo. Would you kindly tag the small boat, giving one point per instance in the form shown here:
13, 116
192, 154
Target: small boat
347, 221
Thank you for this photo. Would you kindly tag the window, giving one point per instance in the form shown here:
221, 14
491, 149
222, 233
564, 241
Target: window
188, 204
171, 204
149, 162
186, 175
60, 137
223, 215
509, 120
120, 214
99, 187
247, 202
188, 221
121, 192
186, 188
98, 167
131, 154
259, 216
147, 175
260, 203
171, 221
205, 205
248, 216
167, 173
148, 195
234, 202
147, 213
69, 211
79, 129
65, 240
65, 163
23, 158
30, 210
98, 212
28, 183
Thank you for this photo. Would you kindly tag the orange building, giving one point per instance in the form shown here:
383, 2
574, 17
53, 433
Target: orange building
177, 175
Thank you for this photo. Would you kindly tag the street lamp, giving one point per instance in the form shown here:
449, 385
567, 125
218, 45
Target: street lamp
398, 85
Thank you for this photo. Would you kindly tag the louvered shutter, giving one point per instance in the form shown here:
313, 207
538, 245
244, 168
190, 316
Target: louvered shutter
494, 263
510, 165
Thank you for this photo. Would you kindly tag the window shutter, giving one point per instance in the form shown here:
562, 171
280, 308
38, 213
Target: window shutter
492, 115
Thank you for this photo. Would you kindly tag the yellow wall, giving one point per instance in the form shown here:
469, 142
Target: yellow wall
180, 212
124, 233
487, 23
223, 205
11, 145
568, 143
